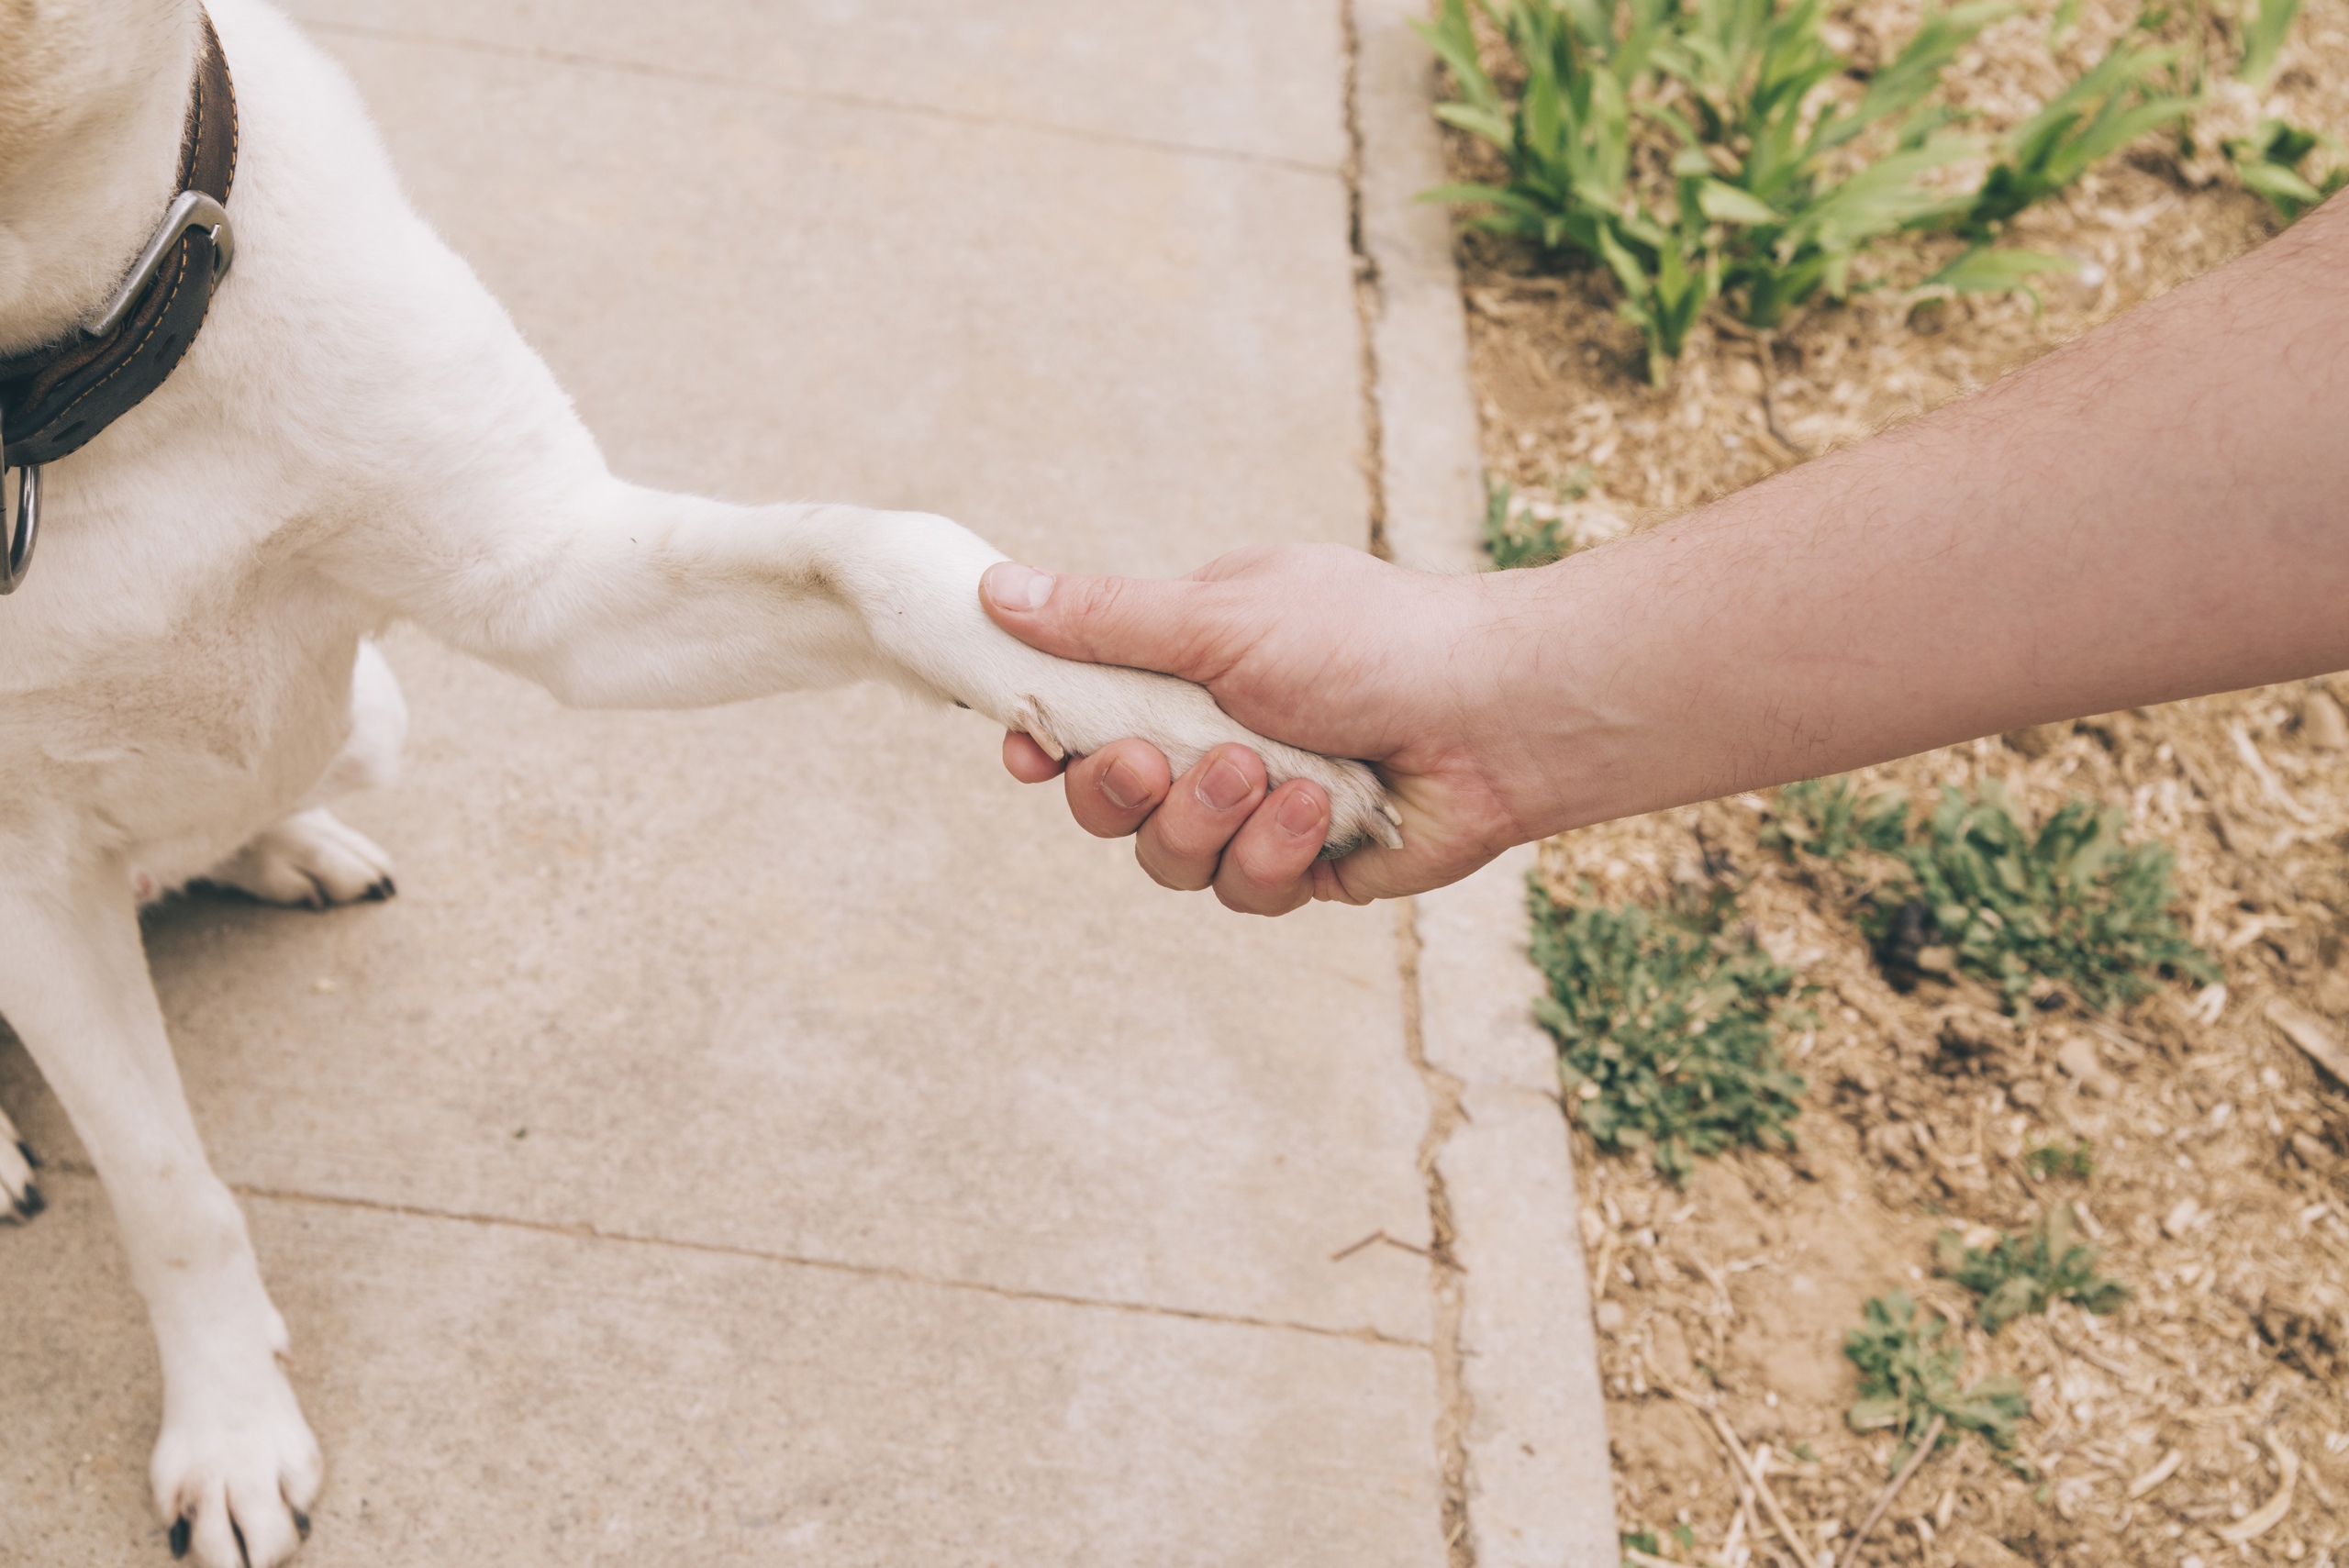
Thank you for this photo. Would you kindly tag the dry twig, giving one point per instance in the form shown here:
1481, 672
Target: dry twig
2265, 1517
1916, 1463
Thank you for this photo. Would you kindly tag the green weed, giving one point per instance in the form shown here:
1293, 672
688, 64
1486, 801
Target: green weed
1521, 530
1643, 1542
1907, 1376
2026, 1270
2070, 904
2116, 101
2050, 1160
1513, 541
1668, 1028
1566, 143
1795, 214
2261, 32
2272, 162
1680, 144
1827, 819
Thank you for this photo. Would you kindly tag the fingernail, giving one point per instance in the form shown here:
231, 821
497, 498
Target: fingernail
1300, 814
1121, 787
1225, 785
1012, 586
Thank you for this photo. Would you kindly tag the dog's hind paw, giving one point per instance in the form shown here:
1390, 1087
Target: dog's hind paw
311, 860
235, 1478
20, 1198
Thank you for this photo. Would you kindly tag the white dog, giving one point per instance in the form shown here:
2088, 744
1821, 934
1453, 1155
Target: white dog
357, 435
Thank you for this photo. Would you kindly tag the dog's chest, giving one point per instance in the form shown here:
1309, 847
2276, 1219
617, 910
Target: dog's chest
224, 711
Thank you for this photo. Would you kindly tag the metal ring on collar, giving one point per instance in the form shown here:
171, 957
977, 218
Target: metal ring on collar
26, 531
190, 209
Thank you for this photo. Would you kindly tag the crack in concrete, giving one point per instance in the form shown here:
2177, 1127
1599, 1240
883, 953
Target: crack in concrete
813, 95
1367, 300
584, 1232
1445, 1115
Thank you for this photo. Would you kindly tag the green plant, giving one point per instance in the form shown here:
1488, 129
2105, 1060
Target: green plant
2270, 162
1668, 1028
2098, 115
2265, 24
2070, 904
1510, 543
2026, 1270
1828, 819
1566, 143
1733, 176
1642, 1541
1798, 207
2050, 1160
1907, 1376
1983, 269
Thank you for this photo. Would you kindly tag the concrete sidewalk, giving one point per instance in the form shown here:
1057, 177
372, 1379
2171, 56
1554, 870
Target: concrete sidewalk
769, 1135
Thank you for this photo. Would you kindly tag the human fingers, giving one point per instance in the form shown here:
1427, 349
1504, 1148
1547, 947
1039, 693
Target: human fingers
1138, 622
1183, 842
1267, 869
1111, 792
1026, 761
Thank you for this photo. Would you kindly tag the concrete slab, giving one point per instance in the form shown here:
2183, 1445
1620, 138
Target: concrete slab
488, 1393
1253, 81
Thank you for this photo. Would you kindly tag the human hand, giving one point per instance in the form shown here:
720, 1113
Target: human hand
1323, 647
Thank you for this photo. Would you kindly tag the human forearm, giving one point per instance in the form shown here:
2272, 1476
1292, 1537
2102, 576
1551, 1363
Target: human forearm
2157, 512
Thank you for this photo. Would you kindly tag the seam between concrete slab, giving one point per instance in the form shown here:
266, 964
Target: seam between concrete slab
583, 60
585, 1232
1442, 1090
1366, 266
1444, 1115
1523, 1437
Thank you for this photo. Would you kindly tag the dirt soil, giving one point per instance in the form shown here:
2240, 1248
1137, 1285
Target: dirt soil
2220, 1188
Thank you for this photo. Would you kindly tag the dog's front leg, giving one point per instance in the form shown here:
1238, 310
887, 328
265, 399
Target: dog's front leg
631, 598
235, 1465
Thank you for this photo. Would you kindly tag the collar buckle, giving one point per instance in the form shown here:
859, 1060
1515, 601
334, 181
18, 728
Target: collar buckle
189, 210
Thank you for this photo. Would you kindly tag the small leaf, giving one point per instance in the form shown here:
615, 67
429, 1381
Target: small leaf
1876, 1414
1724, 203
1983, 270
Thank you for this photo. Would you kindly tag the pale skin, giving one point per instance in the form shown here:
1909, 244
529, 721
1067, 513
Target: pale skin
2159, 511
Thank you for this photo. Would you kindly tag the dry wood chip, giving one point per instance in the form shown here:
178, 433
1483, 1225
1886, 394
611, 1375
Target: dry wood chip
2268, 1513
2163, 1468
2312, 1036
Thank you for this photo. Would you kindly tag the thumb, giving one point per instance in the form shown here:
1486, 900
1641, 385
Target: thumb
1139, 622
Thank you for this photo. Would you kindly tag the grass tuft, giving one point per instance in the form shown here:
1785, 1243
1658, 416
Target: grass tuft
1907, 1376
2026, 1270
1513, 539
1667, 1027
1826, 818
2050, 1160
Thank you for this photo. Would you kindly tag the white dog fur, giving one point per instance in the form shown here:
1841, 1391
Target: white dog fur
358, 436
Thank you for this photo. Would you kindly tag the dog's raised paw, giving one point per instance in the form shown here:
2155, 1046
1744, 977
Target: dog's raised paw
1089, 705
311, 860
236, 1481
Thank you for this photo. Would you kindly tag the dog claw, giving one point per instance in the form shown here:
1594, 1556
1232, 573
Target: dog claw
32, 1204
180, 1528
1028, 716
301, 1524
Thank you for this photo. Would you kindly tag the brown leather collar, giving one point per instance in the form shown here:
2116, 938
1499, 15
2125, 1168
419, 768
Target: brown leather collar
55, 398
